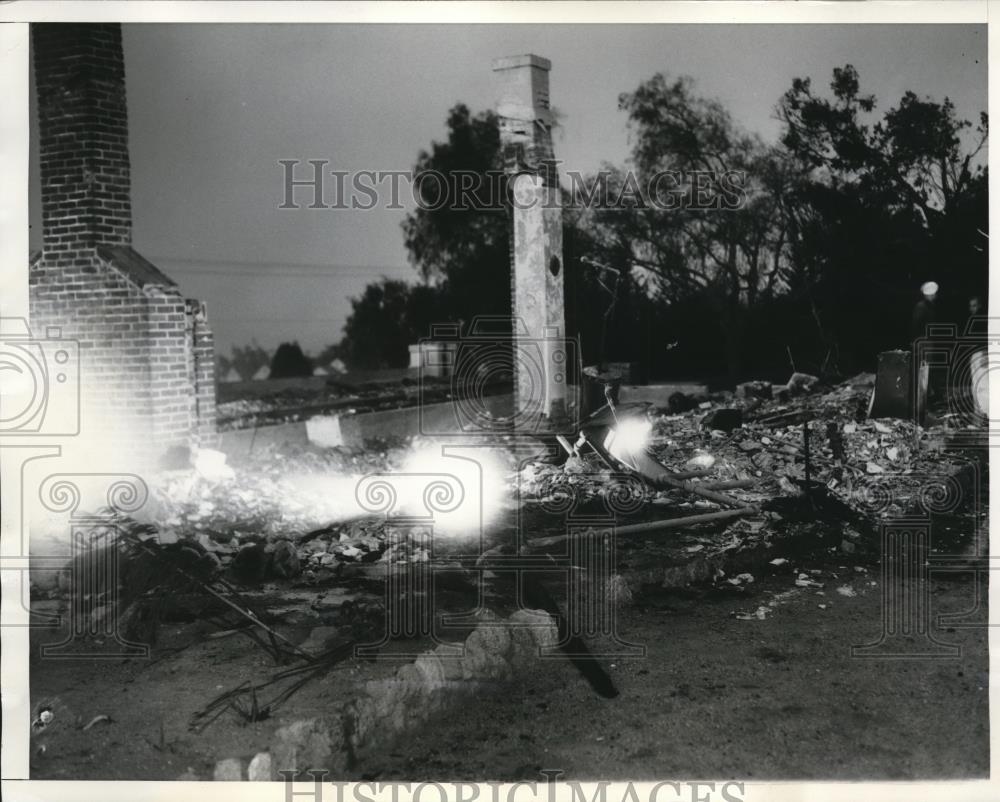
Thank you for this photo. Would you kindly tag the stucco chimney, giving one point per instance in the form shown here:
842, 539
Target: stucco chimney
537, 294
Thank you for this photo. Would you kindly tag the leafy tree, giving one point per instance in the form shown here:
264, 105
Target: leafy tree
913, 158
811, 249
464, 245
885, 204
711, 238
290, 362
385, 320
459, 249
247, 360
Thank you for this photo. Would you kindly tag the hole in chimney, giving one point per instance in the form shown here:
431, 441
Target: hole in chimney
554, 265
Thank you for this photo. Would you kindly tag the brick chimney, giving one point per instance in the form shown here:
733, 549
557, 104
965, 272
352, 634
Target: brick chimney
83, 124
146, 354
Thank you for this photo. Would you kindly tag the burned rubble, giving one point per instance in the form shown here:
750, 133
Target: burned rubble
815, 457
272, 550
314, 577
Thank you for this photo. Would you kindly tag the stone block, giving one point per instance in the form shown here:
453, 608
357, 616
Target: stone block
228, 770
451, 662
433, 680
259, 769
541, 626
431, 670
320, 639
893, 396
308, 744
284, 561
524, 648
802, 383
324, 431
754, 389
487, 653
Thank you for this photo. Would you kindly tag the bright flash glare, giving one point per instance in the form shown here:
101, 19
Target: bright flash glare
463, 488
629, 437
460, 490
327, 497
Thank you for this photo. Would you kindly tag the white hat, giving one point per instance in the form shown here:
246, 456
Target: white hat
929, 288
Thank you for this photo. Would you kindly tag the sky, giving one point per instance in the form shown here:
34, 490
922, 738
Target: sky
213, 108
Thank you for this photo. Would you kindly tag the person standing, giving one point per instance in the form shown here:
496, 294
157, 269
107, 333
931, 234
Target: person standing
925, 311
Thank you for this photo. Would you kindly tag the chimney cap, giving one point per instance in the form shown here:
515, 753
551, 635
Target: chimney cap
526, 60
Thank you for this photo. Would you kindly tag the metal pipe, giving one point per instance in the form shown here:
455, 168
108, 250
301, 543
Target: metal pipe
805, 448
690, 474
731, 484
687, 520
654, 526
711, 495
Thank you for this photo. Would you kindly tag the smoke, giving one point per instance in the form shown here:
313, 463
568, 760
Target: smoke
455, 489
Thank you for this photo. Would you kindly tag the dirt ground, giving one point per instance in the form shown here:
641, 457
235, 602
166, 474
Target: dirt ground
714, 696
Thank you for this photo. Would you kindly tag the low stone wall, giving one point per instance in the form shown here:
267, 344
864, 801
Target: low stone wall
496, 652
